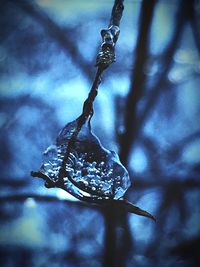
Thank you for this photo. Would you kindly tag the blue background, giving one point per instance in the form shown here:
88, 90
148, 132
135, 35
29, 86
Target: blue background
47, 57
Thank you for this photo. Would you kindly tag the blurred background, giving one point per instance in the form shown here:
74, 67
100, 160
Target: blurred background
147, 110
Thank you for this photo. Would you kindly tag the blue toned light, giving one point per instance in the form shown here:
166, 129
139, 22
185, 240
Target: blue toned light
164, 18
191, 153
138, 161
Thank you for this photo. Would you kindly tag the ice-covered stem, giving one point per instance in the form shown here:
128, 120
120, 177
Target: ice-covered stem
106, 55
116, 14
88, 104
81, 120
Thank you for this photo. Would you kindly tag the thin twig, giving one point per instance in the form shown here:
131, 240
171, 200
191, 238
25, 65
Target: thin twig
105, 57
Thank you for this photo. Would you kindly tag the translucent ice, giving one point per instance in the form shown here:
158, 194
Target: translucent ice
89, 167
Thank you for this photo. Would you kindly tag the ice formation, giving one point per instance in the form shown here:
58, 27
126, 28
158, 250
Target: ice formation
89, 170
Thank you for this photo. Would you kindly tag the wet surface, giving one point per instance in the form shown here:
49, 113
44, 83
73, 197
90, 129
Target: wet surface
89, 166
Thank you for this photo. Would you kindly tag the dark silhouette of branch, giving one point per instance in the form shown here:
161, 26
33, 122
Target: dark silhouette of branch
118, 240
120, 257
59, 35
134, 123
174, 152
116, 243
188, 184
110, 245
183, 15
15, 183
40, 198
173, 196
188, 249
195, 24
138, 80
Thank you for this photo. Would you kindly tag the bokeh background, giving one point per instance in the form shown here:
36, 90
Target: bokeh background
147, 110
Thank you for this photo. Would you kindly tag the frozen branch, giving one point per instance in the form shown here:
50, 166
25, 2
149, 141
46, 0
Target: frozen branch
57, 177
105, 57
106, 54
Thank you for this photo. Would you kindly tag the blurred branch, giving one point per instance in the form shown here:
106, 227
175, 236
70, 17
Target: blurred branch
195, 23
133, 123
138, 79
176, 149
117, 244
133, 97
191, 183
40, 198
13, 182
26, 99
59, 35
182, 16
171, 154
139, 184
188, 249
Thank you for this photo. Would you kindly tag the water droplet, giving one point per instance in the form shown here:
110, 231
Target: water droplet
101, 164
85, 183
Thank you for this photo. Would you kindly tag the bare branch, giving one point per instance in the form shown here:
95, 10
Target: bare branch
182, 17
59, 35
138, 79
133, 123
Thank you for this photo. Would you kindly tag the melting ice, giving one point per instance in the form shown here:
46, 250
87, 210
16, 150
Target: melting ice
92, 168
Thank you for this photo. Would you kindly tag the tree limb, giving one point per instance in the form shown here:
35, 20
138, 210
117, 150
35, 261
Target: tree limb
138, 80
